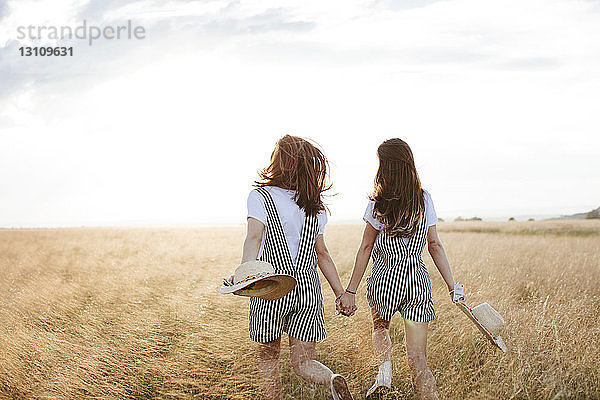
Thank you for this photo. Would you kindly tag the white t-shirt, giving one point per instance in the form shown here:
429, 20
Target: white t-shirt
430, 215
290, 215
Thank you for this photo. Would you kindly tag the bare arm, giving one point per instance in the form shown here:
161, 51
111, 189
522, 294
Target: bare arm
438, 254
327, 266
253, 239
347, 303
362, 256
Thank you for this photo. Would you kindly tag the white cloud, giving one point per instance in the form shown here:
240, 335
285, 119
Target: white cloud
496, 99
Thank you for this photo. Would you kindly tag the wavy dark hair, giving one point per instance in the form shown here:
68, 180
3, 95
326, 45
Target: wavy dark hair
298, 165
398, 196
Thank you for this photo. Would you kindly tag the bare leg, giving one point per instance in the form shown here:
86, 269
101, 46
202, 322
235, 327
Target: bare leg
268, 369
416, 344
305, 365
382, 344
381, 338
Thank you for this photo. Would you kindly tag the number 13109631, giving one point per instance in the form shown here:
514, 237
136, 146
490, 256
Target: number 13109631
46, 51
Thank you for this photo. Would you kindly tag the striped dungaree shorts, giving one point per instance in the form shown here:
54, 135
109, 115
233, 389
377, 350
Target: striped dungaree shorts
300, 312
399, 280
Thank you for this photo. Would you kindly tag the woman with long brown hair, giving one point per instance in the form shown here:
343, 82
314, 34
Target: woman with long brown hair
400, 218
286, 221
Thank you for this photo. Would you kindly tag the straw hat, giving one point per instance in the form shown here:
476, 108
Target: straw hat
487, 320
258, 279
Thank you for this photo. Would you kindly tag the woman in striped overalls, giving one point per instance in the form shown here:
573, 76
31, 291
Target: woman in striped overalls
400, 219
286, 220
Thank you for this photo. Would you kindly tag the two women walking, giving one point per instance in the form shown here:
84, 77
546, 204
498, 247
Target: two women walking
286, 221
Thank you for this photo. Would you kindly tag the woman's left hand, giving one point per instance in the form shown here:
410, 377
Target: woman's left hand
346, 304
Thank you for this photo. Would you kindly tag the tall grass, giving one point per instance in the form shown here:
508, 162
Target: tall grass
581, 228
135, 313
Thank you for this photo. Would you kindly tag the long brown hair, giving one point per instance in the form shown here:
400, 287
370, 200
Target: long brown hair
398, 196
296, 164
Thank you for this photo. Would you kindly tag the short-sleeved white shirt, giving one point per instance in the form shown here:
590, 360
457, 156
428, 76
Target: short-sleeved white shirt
430, 215
290, 215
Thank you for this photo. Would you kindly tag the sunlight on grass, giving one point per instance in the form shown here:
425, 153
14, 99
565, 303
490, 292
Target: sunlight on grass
135, 313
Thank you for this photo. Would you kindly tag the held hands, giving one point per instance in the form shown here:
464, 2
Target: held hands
346, 304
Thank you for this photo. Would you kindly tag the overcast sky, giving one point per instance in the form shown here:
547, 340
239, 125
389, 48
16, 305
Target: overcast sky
499, 101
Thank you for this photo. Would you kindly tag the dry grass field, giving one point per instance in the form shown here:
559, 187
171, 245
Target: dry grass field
135, 313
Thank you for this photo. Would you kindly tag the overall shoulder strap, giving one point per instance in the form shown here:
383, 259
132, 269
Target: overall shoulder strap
306, 250
275, 230
416, 241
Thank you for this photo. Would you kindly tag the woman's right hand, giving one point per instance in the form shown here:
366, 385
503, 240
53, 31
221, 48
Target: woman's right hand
346, 304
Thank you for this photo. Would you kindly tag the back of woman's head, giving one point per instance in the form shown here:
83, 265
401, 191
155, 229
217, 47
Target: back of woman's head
399, 201
296, 164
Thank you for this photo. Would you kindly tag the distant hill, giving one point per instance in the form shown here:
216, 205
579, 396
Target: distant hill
594, 214
468, 219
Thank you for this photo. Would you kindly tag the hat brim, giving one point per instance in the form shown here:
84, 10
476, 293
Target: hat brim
495, 340
278, 286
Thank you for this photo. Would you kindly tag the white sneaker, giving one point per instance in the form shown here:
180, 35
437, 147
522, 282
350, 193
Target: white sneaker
339, 388
377, 388
383, 380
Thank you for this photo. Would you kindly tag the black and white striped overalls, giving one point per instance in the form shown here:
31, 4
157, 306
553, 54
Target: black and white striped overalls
399, 280
299, 313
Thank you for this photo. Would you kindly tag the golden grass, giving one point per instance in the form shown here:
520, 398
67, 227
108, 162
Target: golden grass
583, 228
135, 313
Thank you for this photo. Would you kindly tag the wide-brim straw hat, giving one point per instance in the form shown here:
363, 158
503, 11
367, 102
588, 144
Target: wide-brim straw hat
259, 279
487, 320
